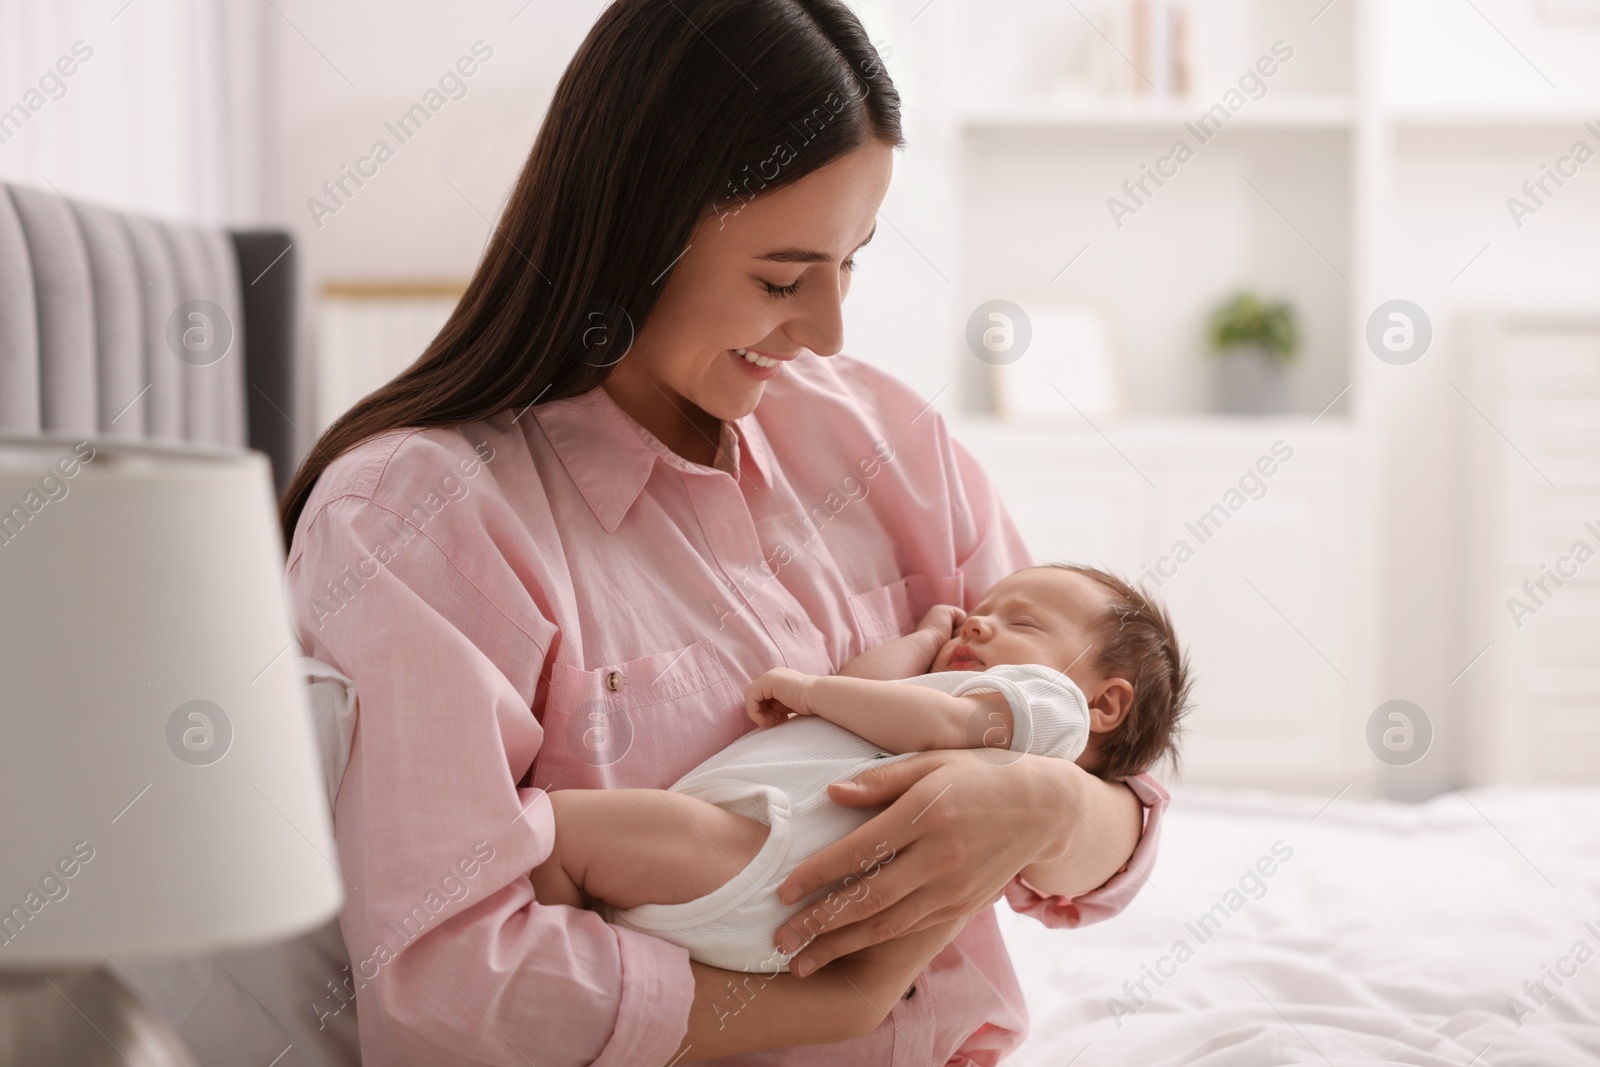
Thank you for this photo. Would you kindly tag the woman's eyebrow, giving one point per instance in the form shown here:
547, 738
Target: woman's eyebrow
810, 255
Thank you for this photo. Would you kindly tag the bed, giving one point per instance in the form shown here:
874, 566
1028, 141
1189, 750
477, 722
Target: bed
1377, 932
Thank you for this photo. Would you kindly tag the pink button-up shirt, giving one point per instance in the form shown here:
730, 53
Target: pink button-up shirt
552, 599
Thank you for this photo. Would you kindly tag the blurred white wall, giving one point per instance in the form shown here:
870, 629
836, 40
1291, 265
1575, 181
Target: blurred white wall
351, 68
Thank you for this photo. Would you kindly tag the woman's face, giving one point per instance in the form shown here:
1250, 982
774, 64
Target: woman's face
767, 275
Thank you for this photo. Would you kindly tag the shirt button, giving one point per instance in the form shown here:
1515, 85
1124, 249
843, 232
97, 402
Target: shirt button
615, 681
910, 993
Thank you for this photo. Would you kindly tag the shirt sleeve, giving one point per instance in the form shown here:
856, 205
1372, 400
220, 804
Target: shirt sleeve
453, 959
1110, 898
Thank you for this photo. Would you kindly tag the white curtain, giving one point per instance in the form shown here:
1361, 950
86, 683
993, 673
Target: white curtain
154, 106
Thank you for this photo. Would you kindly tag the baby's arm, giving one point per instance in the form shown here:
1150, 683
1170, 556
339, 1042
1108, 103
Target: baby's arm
903, 657
892, 715
641, 846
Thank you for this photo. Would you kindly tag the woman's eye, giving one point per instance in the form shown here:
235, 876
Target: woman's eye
794, 286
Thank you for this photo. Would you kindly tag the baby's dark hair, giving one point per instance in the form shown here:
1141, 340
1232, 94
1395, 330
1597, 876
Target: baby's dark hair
1138, 643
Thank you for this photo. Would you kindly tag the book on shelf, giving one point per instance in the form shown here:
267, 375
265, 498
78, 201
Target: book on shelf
1157, 35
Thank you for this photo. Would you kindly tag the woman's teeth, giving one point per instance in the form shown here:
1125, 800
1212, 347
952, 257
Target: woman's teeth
757, 358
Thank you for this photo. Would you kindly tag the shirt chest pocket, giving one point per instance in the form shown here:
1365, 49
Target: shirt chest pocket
895, 609
882, 613
641, 722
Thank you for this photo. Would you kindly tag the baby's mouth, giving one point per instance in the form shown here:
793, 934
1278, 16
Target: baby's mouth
962, 659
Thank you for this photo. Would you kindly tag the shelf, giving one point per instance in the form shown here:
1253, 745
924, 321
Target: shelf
1113, 113
1490, 114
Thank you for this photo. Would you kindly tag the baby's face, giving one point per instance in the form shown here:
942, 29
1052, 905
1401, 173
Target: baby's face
1039, 615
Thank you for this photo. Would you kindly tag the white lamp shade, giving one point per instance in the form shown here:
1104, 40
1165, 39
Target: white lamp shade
158, 768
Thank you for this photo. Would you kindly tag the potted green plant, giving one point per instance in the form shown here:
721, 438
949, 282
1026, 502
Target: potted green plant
1252, 343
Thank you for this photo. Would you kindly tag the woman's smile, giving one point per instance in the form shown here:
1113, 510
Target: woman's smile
758, 365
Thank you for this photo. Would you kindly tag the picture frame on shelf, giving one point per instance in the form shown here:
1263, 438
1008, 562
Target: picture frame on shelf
1072, 366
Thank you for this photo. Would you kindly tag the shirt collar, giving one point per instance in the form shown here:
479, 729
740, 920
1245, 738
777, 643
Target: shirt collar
609, 456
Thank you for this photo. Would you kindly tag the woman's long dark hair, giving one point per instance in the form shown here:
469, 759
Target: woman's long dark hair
670, 107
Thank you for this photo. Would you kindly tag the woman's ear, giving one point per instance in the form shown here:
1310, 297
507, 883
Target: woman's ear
1110, 705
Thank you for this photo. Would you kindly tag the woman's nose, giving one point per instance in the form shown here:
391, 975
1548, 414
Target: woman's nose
820, 327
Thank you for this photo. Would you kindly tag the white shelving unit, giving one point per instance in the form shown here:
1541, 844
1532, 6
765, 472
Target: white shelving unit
1269, 605
1270, 202
1377, 166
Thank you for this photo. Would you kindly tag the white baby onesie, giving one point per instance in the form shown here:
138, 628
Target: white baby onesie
779, 776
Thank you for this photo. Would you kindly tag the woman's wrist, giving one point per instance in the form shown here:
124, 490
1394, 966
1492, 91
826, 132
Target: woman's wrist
1058, 796
1097, 824
734, 1012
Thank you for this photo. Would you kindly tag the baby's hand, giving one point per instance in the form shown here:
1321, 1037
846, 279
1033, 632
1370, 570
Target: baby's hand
772, 697
943, 618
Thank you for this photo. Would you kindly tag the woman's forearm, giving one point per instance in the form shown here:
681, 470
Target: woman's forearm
849, 998
735, 1012
1100, 825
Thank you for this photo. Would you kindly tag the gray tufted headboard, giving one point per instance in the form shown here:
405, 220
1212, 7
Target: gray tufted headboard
99, 335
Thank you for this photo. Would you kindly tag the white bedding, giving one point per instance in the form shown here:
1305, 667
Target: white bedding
1394, 933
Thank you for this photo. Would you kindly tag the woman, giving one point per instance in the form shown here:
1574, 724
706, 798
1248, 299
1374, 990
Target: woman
553, 552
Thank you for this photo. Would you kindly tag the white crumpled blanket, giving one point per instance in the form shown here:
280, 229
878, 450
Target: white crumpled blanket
1393, 934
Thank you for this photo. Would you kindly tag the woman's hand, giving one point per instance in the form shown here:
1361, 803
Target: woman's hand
880, 974
776, 694
736, 1012
963, 826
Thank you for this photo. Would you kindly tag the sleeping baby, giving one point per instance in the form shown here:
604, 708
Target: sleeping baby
1056, 660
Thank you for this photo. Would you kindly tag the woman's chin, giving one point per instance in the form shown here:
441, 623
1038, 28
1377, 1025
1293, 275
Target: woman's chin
735, 401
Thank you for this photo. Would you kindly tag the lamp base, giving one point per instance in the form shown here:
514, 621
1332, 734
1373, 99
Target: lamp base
83, 1017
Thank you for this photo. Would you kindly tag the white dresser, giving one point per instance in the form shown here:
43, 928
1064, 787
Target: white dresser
1533, 549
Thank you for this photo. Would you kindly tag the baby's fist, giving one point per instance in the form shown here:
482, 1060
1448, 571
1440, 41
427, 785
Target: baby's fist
943, 618
776, 694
